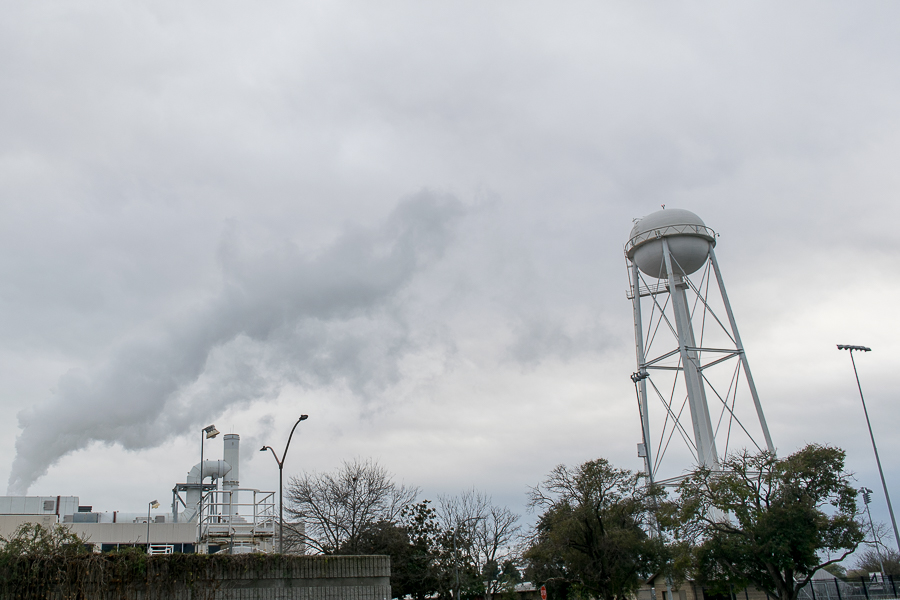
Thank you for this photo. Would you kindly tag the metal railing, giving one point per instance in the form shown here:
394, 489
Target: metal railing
660, 287
225, 519
660, 232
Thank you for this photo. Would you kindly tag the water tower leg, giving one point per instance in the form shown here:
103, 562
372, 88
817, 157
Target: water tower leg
703, 431
740, 347
641, 359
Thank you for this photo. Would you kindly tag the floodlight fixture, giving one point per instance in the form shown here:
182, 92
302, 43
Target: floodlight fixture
866, 494
852, 348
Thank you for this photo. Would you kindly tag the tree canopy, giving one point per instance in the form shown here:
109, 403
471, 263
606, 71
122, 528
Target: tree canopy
412, 544
593, 535
768, 522
34, 539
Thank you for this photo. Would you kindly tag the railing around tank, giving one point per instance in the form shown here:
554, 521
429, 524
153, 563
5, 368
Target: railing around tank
683, 229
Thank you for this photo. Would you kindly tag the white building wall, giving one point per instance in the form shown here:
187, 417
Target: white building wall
135, 533
9, 523
38, 505
109, 533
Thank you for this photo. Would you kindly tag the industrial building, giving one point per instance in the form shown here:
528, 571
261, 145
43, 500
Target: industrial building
210, 512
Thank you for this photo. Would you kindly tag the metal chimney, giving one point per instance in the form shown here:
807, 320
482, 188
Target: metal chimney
232, 457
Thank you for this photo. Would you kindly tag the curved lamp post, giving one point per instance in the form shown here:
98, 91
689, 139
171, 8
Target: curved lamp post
281, 482
871, 435
153, 504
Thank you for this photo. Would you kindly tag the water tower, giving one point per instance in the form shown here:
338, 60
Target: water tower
689, 352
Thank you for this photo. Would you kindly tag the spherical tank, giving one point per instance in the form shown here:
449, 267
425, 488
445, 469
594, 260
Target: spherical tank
689, 241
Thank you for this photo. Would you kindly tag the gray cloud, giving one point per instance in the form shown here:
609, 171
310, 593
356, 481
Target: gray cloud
330, 307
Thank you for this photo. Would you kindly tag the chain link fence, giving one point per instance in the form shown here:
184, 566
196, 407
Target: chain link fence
876, 588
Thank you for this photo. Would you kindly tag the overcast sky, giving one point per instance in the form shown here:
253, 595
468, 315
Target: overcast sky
407, 220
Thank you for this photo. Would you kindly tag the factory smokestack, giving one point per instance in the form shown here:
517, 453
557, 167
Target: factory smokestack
232, 457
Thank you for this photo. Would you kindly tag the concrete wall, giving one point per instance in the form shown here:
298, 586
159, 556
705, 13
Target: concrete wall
286, 578
313, 578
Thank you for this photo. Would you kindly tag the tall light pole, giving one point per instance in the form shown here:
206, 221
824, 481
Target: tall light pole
207, 432
867, 499
887, 496
456, 552
281, 482
153, 504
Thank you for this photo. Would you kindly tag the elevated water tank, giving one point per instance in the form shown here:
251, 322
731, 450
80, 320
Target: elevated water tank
688, 238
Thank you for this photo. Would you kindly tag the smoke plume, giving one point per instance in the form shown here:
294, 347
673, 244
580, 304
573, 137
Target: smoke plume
282, 316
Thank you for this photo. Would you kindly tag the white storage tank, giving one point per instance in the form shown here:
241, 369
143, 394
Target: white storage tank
689, 241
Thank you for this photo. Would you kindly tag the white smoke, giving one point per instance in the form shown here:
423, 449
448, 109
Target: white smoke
279, 317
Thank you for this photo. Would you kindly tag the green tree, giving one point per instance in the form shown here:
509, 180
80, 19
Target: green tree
456, 561
592, 539
509, 574
837, 570
422, 564
506, 576
35, 540
412, 545
769, 522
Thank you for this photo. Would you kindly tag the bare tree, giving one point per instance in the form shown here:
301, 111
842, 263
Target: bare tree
485, 533
869, 561
294, 538
493, 538
336, 508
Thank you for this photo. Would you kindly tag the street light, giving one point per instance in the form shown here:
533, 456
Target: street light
208, 432
456, 551
153, 504
887, 496
281, 482
867, 498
